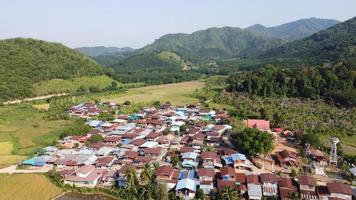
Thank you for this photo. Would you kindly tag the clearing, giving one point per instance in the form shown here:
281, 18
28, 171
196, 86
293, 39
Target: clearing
27, 186
176, 93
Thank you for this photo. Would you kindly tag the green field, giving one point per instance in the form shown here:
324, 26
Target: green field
176, 93
22, 131
59, 85
27, 186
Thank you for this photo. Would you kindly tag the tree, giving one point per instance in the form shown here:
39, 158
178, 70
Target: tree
131, 179
96, 138
105, 116
146, 176
160, 192
253, 141
228, 193
310, 138
127, 103
199, 194
157, 104
175, 160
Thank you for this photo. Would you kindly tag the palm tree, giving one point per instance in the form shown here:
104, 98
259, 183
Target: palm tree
229, 194
146, 174
146, 192
131, 179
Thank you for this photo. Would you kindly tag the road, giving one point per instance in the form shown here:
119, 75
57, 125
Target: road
13, 169
35, 98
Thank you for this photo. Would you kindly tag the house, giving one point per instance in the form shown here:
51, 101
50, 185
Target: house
140, 161
128, 157
307, 186
155, 153
206, 179
254, 190
149, 144
241, 183
112, 140
185, 149
189, 160
261, 124
85, 176
322, 192
104, 151
269, 184
238, 161
210, 160
168, 175
187, 184
287, 158
228, 177
105, 162
339, 191
286, 188
109, 178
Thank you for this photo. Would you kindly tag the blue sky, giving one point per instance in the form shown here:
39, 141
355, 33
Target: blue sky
136, 23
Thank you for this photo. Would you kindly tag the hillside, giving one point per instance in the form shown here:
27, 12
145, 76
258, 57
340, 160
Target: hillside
330, 45
213, 43
106, 56
294, 30
24, 62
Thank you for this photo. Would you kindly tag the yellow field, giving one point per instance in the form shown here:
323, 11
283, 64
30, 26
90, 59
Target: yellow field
27, 186
176, 93
44, 106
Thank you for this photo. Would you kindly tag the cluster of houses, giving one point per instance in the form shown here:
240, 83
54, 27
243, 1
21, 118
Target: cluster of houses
194, 136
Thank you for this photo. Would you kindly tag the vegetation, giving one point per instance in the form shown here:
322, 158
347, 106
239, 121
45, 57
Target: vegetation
228, 194
81, 84
295, 30
253, 141
21, 186
27, 61
336, 83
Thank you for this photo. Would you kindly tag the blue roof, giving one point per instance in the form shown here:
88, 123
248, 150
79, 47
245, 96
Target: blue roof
94, 123
126, 141
228, 160
180, 113
36, 161
187, 183
238, 156
192, 174
190, 155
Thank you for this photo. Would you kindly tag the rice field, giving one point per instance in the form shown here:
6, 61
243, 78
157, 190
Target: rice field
27, 186
176, 93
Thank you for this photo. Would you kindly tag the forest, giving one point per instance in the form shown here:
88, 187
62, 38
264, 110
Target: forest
335, 84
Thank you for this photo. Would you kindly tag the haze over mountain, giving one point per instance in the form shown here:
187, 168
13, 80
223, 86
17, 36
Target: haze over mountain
295, 30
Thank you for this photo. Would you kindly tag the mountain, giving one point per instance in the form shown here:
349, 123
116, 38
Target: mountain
294, 30
24, 62
214, 43
106, 56
331, 45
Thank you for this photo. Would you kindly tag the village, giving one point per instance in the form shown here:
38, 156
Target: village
190, 148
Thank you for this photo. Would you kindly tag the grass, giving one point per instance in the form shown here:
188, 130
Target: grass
27, 186
348, 143
22, 131
176, 93
59, 85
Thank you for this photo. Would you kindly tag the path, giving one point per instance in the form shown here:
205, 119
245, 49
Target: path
13, 169
35, 98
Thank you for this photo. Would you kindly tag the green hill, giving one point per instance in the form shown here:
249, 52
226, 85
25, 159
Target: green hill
328, 46
24, 62
294, 30
214, 43
106, 56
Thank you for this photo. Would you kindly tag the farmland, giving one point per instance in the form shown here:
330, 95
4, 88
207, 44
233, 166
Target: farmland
176, 93
27, 186
22, 131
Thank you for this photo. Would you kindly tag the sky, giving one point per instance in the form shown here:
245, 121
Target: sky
136, 23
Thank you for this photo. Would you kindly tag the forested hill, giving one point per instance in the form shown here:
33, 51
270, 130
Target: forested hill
106, 56
295, 30
214, 43
328, 46
27, 61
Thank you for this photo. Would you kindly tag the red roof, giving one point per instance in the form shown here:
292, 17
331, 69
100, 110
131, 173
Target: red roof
268, 178
208, 155
104, 160
155, 122
186, 149
258, 123
339, 188
227, 171
226, 151
97, 145
130, 135
138, 142
131, 154
143, 159
165, 170
112, 139
206, 172
286, 182
153, 135
307, 180
222, 183
241, 178
155, 151
252, 178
